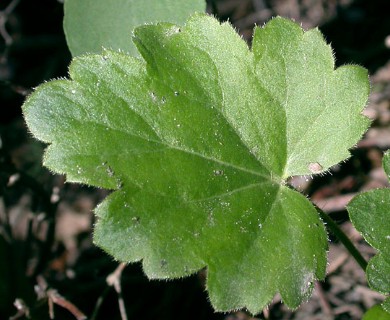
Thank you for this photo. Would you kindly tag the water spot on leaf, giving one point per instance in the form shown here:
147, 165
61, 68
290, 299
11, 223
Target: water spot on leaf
176, 93
119, 184
173, 30
153, 96
163, 263
110, 172
136, 220
73, 91
243, 230
211, 219
315, 167
307, 282
163, 100
225, 204
218, 172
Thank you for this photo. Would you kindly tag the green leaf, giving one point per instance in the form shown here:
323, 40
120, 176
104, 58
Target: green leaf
90, 25
198, 139
376, 313
369, 213
386, 304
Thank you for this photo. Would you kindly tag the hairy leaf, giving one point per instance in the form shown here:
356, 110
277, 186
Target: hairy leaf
90, 25
369, 213
198, 139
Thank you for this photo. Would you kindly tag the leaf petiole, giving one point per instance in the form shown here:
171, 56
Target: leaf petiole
336, 230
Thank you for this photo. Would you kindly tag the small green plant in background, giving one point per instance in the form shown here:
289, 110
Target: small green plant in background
198, 138
90, 25
369, 213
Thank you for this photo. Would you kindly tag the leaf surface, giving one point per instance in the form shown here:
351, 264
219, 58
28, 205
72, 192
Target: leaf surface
369, 213
90, 25
376, 313
198, 138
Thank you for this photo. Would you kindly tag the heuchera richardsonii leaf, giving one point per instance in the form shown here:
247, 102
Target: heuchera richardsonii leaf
197, 140
370, 215
90, 25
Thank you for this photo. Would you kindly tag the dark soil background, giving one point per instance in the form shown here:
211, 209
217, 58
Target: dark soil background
48, 264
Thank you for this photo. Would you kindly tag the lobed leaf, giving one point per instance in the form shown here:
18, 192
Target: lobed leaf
197, 139
369, 213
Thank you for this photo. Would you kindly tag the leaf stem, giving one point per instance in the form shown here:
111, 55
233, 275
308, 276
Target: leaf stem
336, 230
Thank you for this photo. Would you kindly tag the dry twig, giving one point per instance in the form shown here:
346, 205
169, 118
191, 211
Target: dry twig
53, 297
113, 280
4, 14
